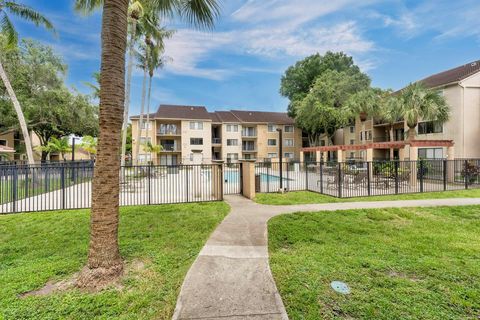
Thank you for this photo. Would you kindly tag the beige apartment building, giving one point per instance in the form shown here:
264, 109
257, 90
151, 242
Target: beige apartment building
192, 135
461, 88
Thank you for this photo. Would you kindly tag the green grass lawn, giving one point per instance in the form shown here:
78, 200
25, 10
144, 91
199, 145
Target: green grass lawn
416, 263
38, 247
305, 197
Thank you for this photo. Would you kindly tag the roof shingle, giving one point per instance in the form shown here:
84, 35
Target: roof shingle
453, 75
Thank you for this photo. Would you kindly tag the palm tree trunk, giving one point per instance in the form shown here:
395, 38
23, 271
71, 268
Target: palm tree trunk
411, 133
104, 261
20, 116
127, 90
148, 106
142, 110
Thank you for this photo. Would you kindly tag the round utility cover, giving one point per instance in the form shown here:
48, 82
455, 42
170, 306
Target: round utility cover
340, 287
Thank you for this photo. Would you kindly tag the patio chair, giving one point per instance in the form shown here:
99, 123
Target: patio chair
357, 181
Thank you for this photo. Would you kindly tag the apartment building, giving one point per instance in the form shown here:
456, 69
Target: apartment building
192, 135
461, 88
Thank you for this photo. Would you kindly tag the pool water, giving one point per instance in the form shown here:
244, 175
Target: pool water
234, 176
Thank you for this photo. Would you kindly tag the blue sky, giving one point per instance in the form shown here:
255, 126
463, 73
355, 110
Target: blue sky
239, 64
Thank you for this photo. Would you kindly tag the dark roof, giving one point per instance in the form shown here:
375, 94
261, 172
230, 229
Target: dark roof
263, 117
227, 116
151, 116
234, 116
453, 75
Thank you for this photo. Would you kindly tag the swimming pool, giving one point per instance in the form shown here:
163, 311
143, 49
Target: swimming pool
234, 176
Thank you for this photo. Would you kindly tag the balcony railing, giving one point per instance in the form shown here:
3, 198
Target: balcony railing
216, 140
249, 134
170, 148
168, 132
249, 148
386, 139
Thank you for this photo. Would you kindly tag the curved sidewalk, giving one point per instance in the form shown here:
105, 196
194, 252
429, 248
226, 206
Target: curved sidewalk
231, 277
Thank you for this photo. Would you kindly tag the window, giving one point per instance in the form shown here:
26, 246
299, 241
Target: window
352, 129
289, 143
289, 155
232, 127
232, 156
370, 135
352, 141
232, 142
247, 156
196, 125
272, 142
322, 143
361, 135
168, 129
272, 155
430, 153
249, 132
144, 158
289, 129
352, 155
430, 127
144, 140
272, 128
3, 142
248, 145
196, 141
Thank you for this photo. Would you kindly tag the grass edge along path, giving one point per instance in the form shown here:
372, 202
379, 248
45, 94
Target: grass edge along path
309, 197
51, 246
400, 263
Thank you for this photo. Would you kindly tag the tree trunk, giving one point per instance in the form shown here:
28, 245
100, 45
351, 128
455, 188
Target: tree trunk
148, 107
411, 133
104, 262
20, 116
142, 110
127, 90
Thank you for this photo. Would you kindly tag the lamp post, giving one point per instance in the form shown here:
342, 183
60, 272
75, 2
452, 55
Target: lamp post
73, 148
280, 147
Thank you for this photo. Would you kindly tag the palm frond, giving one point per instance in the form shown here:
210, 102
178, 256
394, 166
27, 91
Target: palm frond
86, 7
29, 14
7, 28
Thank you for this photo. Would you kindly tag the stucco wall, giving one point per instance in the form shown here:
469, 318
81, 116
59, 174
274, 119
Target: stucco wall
205, 133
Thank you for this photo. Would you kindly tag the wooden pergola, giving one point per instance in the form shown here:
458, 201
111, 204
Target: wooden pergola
412, 145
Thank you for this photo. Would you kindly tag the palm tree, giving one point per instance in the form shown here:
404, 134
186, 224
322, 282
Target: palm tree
391, 113
89, 144
150, 28
421, 103
94, 86
365, 103
104, 260
55, 145
8, 29
199, 13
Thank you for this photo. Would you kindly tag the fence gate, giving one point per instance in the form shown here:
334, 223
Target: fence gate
232, 178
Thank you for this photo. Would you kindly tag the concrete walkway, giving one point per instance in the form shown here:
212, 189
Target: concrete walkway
231, 278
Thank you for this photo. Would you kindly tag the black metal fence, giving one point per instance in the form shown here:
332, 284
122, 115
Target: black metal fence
360, 178
58, 186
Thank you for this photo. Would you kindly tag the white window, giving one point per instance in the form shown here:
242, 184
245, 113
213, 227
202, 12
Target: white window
288, 129
145, 125
272, 155
289, 155
272, 128
196, 141
196, 125
352, 129
232, 156
289, 143
144, 140
232, 142
232, 127
430, 153
272, 142
144, 158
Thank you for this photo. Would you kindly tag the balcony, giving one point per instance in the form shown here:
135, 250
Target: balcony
387, 139
216, 140
170, 147
249, 148
173, 132
249, 135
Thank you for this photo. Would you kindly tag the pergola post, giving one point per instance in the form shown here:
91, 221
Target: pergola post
302, 157
413, 165
339, 155
450, 167
318, 155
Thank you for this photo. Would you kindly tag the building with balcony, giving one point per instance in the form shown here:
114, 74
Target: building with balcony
459, 136
192, 135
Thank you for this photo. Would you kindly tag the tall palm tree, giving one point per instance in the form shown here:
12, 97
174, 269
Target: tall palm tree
13, 8
199, 13
154, 36
391, 113
365, 103
421, 103
104, 260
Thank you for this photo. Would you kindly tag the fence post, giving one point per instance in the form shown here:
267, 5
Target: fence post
26, 183
396, 176
305, 167
421, 175
465, 166
149, 173
240, 167
445, 175
369, 190
321, 177
62, 182
268, 176
14, 188
339, 179
185, 169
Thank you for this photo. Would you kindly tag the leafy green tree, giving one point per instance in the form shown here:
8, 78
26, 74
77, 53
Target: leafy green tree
298, 79
13, 8
50, 108
322, 111
89, 144
421, 103
55, 145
